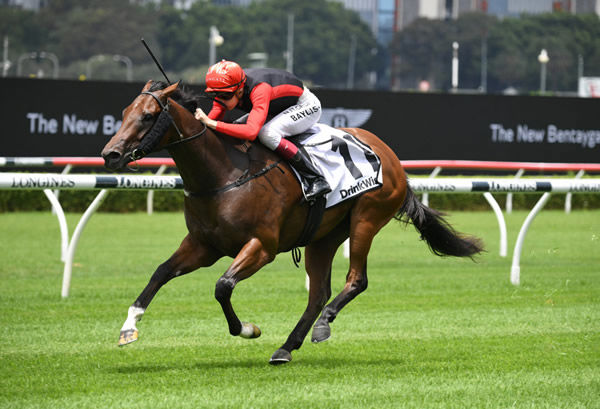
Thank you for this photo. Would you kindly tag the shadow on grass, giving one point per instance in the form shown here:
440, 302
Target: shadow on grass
140, 368
306, 363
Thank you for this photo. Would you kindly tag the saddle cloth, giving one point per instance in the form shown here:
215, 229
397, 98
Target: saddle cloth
349, 165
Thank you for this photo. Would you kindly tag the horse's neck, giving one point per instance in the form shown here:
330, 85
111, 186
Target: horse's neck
207, 162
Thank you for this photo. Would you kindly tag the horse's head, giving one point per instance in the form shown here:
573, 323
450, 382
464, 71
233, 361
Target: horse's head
144, 128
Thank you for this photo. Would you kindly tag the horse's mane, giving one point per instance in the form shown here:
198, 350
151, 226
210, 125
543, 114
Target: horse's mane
183, 96
190, 101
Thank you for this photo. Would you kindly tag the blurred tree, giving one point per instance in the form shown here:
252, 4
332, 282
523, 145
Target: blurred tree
513, 45
424, 53
323, 30
322, 37
78, 30
24, 30
425, 50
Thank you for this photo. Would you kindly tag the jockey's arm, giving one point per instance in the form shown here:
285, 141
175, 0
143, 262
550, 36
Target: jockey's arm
217, 112
261, 98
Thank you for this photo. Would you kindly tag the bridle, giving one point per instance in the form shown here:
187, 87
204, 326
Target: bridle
151, 139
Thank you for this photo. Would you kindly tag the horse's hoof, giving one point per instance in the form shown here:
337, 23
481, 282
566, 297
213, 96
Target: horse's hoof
321, 333
281, 356
249, 330
128, 336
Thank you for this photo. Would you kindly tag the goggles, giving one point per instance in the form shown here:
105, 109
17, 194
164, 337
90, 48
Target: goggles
225, 96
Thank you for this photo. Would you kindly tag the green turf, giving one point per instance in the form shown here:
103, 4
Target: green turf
428, 333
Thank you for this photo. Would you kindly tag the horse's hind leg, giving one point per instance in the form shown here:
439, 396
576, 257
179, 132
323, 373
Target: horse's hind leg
190, 256
319, 257
362, 231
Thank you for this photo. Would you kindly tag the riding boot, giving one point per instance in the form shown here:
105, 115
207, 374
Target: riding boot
317, 185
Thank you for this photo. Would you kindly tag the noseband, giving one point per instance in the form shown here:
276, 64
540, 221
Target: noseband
159, 129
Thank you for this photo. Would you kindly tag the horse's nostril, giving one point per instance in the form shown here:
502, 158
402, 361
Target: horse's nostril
111, 158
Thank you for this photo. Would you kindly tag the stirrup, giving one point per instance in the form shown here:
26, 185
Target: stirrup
313, 195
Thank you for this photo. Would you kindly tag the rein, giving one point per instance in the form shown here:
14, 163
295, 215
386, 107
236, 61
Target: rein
160, 127
239, 182
158, 130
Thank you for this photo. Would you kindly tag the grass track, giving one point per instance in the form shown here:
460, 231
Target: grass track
428, 333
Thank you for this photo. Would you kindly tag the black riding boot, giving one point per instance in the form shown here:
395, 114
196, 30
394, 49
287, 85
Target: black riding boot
317, 185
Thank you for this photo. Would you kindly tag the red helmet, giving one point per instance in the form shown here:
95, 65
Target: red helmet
224, 76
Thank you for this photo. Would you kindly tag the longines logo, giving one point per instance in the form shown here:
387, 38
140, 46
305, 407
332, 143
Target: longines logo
513, 187
424, 186
42, 182
345, 117
145, 183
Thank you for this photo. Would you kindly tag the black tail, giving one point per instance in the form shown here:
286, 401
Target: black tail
440, 236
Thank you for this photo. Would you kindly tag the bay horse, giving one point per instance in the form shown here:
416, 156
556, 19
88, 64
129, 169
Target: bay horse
246, 203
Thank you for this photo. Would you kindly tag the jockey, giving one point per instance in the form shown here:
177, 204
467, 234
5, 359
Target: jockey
277, 104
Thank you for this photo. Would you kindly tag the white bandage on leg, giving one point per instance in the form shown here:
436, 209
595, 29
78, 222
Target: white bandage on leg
247, 330
134, 314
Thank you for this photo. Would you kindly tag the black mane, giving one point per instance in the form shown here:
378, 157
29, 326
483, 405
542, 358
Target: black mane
183, 96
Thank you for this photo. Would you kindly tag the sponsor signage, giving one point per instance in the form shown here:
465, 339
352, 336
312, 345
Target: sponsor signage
61, 117
70, 124
41, 181
363, 185
74, 118
585, 188
132, 182
422, 185
589, 87
551, 134
345, 117
421, 126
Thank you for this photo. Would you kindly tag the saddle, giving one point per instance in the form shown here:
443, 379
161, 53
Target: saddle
350, 167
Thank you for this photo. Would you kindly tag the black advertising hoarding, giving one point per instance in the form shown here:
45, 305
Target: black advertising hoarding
72, 118
61, 118
478, 127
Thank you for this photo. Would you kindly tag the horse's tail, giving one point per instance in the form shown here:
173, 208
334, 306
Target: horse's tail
440, 236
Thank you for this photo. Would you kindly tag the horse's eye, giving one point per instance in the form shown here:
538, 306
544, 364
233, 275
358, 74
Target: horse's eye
148, 117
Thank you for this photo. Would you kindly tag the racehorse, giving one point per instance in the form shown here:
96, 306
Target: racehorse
243, 202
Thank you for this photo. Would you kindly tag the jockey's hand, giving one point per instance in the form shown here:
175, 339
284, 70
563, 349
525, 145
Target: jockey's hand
201, 116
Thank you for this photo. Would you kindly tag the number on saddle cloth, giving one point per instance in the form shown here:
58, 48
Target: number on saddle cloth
349, 165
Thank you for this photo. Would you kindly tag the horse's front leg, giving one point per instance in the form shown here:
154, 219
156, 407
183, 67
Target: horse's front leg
190, 256
249, 260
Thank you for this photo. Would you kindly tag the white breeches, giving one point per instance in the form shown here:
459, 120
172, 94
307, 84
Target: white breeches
294, 120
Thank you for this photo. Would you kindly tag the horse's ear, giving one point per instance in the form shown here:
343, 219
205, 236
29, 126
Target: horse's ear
169, 90
147, 86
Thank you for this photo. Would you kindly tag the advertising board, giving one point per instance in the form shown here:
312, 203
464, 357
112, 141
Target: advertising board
73, 118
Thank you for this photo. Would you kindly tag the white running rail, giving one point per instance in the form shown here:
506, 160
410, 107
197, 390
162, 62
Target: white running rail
46, 182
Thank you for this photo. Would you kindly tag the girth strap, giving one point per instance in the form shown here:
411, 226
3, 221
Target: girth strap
313, 221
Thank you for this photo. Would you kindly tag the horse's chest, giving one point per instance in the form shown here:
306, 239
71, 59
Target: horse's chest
221, 229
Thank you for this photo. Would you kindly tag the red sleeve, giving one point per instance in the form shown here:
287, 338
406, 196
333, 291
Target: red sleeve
217, 112
261, 98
